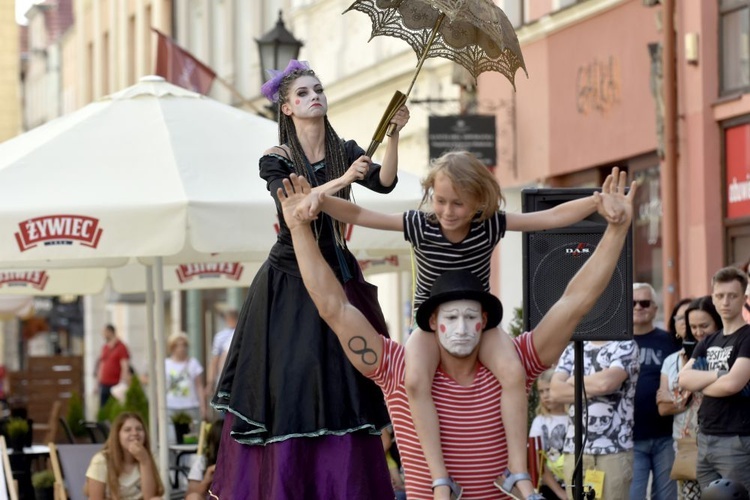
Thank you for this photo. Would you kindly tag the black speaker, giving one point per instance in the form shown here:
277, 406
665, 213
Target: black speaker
552, 257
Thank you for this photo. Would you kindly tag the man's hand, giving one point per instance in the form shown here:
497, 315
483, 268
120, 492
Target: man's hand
311, 206
612, 203
295, 191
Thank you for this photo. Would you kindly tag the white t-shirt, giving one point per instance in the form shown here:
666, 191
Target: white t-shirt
130, 483
222, 341
609, 418
684, 423
552, 429
181, 392
198, 469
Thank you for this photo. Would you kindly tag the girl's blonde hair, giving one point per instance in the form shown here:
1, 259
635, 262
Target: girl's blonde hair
115, 456
176, 337
546, 377
470, 177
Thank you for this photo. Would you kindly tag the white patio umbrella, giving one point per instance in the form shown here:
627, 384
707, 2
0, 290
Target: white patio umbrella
156, 173
146, 172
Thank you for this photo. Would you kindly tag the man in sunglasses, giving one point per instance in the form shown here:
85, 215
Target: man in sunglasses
653, 452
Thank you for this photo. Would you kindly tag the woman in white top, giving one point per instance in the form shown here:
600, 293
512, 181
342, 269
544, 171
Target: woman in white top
186, 391
124, 469
690, 322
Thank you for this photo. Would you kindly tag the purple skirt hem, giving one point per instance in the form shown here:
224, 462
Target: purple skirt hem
351, 466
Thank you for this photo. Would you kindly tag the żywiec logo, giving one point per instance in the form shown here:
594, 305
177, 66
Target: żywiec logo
368, 263
580, 249
35, 279
58, 230
230, 270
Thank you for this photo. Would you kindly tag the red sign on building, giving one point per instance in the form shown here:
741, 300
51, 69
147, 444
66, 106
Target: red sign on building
738, 171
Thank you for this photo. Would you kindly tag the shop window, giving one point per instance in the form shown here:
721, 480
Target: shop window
735, 45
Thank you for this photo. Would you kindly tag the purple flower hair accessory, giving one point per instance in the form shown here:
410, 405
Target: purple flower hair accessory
270, 89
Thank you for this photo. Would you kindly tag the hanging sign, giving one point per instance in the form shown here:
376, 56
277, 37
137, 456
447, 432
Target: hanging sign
473, 133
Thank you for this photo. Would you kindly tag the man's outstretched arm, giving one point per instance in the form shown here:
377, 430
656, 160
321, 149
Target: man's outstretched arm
556, 328
361, 343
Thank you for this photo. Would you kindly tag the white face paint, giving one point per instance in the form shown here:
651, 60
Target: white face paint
459, 326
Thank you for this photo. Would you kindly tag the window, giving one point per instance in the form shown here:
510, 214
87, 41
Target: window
735, 45
514, 10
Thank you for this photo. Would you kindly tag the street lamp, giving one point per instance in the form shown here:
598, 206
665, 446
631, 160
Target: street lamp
276, 48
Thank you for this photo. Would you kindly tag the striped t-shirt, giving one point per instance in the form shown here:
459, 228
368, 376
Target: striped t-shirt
471, 428
436, 255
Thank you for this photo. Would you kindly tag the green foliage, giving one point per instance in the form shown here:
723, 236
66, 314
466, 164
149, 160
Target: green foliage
110, 410
135, 401
17, 426
515, 328
75, 415
182, 417
43, 479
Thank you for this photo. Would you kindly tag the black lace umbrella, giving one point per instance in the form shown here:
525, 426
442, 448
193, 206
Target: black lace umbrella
473, 33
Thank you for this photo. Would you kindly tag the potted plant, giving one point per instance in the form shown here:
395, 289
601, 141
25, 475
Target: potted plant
136, 399
44, 485
17, 430
75, 416
182, 422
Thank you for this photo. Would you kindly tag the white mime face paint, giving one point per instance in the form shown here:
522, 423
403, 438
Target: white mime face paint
459, 326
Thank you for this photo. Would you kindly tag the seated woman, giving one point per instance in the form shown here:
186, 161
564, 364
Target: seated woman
202, 472
124, 469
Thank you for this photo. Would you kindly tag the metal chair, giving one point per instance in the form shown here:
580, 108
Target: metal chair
98, 431
66, 428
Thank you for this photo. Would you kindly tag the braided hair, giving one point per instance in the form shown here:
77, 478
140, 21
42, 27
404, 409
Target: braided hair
336, 160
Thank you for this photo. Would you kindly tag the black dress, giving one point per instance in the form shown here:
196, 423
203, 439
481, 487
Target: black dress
287, 384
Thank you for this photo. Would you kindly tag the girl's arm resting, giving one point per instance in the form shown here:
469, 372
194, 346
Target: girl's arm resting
95, 489
148, 481
549, 479
197, 487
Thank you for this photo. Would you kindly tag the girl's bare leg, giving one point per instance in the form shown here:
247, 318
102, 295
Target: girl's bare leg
422, 359
498, 353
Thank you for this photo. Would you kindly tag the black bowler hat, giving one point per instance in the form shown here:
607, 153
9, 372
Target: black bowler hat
459, 285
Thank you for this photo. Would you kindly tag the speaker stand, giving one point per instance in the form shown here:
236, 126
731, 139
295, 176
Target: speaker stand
580, 492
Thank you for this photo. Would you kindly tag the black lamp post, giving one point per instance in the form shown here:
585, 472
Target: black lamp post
276, 48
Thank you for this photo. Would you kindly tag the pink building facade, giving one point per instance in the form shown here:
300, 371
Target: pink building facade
595, 98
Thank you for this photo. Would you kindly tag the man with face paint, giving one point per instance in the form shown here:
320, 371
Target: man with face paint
458, 309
